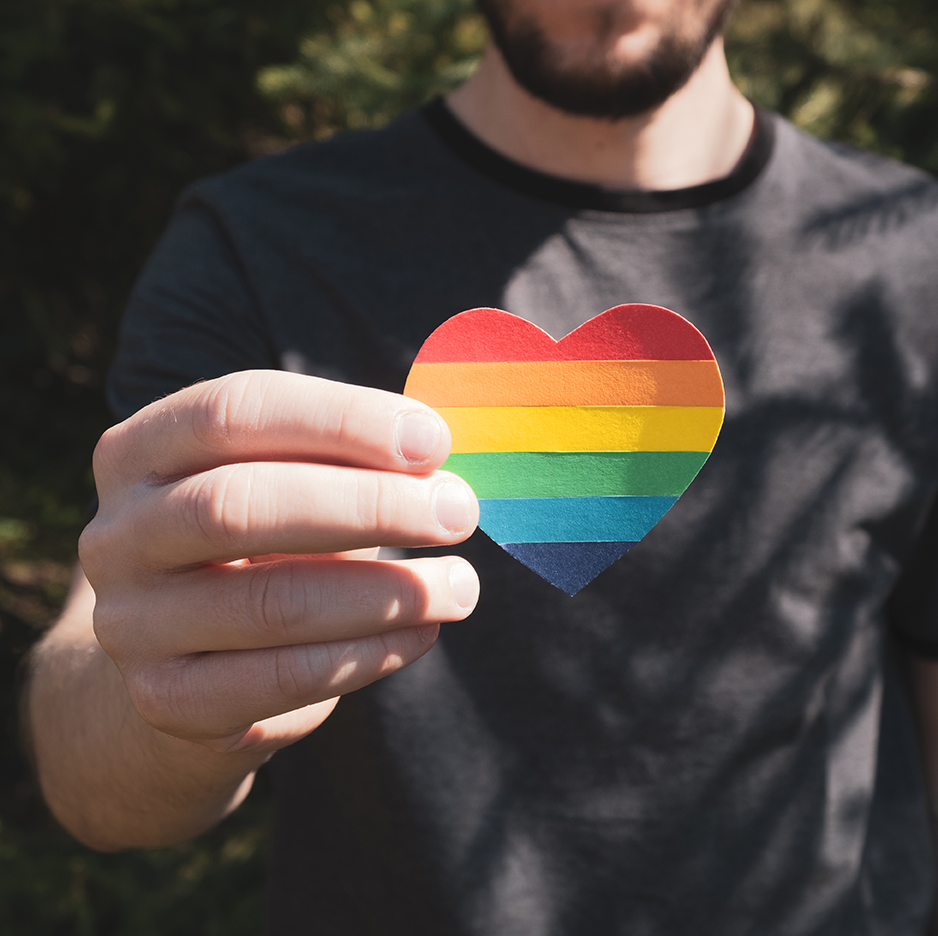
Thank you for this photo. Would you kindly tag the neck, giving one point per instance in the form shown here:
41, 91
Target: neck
696, 136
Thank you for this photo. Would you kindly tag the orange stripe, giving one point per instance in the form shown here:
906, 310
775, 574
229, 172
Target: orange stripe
567, 383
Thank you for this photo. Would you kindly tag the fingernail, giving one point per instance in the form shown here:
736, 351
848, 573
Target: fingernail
418, 436
452, 506
464, 584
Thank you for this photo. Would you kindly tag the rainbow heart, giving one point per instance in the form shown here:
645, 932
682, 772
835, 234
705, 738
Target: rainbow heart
575, 448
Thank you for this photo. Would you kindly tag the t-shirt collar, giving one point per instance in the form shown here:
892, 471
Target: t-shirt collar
582, 195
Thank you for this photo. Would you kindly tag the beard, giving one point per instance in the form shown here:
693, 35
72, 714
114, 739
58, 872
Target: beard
602, 88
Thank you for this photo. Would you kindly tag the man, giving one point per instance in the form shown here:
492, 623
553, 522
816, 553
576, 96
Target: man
690, 745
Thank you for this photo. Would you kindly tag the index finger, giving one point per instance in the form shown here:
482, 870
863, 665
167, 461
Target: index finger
272, 416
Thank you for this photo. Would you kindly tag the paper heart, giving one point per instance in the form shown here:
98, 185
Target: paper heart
575, 448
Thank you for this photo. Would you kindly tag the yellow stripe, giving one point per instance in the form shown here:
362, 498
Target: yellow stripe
583, 428
567, 383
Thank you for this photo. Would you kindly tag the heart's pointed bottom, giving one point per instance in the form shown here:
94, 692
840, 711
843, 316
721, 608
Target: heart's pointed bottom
568, 566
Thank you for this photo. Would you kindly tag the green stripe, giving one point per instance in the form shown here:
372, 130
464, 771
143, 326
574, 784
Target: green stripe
577, 474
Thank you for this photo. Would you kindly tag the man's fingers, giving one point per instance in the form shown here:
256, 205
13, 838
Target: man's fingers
271, 416
250, 510
283, 603
271, 734
212, 696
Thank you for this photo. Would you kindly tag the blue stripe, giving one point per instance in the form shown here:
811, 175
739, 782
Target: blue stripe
571, 519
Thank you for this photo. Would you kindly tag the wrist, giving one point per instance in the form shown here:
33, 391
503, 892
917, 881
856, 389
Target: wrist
110, 778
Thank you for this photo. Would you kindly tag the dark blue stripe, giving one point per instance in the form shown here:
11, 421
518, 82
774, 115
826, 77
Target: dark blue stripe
569, 566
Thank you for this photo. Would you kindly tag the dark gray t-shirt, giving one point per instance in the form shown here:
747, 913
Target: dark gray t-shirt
708, 738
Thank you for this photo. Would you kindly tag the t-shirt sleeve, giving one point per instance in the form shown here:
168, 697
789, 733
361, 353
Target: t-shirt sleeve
913, 605
191, 315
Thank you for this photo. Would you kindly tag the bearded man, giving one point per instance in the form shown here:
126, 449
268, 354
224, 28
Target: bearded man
712, 736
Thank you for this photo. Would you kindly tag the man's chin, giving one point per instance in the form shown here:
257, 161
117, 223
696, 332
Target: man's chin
623, 76
608, 94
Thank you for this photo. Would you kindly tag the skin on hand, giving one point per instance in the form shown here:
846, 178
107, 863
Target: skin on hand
237, 591
214, 649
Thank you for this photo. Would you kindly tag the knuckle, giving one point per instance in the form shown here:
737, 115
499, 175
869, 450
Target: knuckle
106, 626
342, 412
124, 628
367, 500
344, 662
394, 652
295, 675
107, 454
374, 658
92, 544
218, 506
155, 692
377, 507
107, 556
279, 599
224, 414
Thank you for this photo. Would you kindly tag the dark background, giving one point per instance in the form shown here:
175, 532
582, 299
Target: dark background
107, 109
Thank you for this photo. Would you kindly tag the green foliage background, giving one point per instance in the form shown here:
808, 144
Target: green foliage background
107, 109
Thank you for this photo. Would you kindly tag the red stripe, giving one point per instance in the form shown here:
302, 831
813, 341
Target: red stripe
625, 333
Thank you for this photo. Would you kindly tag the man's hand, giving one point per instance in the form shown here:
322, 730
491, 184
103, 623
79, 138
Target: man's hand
227, 594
